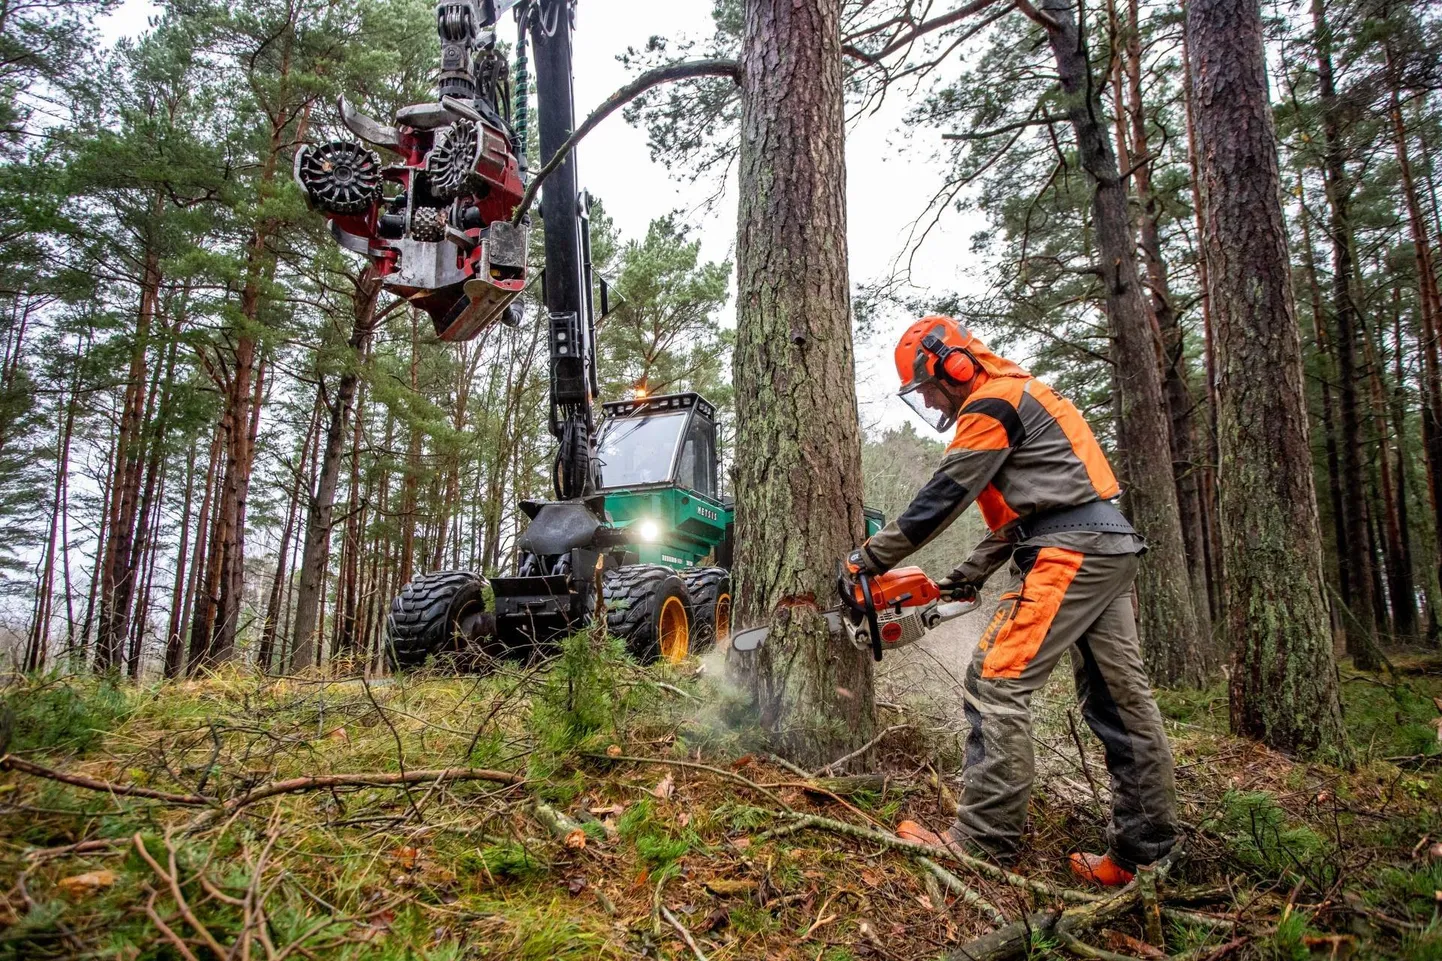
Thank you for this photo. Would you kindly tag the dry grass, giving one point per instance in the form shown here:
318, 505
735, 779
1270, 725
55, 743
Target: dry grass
478, 870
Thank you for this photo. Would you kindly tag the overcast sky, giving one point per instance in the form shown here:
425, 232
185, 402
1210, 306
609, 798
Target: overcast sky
890, 175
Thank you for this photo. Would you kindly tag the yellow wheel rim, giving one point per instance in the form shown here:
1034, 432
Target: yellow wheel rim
675, 630
723, 619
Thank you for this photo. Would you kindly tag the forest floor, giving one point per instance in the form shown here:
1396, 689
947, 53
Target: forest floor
646, 821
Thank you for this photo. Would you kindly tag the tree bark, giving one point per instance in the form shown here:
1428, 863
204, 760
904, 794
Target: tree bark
1329, 421
38, 644
1401, 593
171, 658
1176, 387
798, 493
1430, 316
315, 558
117, 578
1284, 685
1171, 640
1357, 586
265, 654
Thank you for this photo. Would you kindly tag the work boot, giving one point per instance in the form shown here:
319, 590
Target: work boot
1100, 869
951, 838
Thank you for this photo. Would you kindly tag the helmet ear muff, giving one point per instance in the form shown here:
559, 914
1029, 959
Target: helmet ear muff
952, 363
958, 366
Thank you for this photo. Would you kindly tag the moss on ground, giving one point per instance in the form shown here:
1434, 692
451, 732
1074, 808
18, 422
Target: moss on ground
1313, 859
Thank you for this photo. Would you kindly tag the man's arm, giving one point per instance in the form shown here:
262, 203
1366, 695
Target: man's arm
986, 557
983, 443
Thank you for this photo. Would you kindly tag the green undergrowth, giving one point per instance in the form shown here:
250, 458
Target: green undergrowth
470, 869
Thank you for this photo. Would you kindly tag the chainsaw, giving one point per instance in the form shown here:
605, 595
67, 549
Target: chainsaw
881, 612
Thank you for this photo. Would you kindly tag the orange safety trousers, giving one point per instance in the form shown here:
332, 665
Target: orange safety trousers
1063, 600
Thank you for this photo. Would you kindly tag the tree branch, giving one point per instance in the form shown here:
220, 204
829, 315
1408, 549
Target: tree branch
1045, 119
1046, 20
690, 69
921, 30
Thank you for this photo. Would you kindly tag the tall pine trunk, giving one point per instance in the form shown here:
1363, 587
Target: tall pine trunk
1284, 686
798, 493
1357, 575
1186, 464
315, 558
117, 577
1171, 639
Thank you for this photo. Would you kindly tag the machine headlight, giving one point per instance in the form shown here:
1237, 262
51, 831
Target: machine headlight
649, 530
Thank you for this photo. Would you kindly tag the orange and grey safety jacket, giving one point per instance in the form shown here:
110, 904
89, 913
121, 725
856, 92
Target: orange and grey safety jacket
1030, 461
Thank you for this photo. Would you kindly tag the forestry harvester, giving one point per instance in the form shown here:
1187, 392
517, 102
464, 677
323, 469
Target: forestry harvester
638, 503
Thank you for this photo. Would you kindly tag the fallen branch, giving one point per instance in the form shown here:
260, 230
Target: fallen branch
1080, 948
1151, 908
959, 888
82, 847
928, 850
318, 782
12, 763
321, 782
681, 930
821, 772
695, 765
688, 70
172, 881
1016, 938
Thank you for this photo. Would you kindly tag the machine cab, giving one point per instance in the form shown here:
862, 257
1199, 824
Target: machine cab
667, 441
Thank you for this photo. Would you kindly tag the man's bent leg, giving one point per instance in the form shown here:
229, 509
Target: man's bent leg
1118, 705
1061, 594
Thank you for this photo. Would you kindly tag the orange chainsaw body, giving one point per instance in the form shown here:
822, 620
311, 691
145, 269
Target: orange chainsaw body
901, 587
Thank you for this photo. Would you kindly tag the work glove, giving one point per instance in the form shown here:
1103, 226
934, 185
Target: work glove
958, 587
860, 561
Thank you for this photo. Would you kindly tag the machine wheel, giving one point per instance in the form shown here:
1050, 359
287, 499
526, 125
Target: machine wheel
710, 590
648, 606
426, 617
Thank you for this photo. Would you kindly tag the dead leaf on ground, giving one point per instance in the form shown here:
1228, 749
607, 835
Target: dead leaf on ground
730, 887
576, 885
339, 734
1435, 852
741, 844
613, 750
90, 882
405, 857
576, 840
1437, 701
608, 809
666, 788
718, 918
683, 819
1123, 943
742, 761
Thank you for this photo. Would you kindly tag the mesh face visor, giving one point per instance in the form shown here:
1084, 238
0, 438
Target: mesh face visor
932, 402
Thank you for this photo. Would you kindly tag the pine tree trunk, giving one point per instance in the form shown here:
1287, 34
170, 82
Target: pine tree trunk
1357, 581
1430, 315
1186, 464
265, 654
38, 644
205, 522
798, 493
1401, 588
315, 559
1172, 644
171, 663
1284, 685
1329, 421
1213, 538
117, 579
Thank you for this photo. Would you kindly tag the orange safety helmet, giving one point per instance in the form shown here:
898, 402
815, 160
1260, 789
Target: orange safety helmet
934, 360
